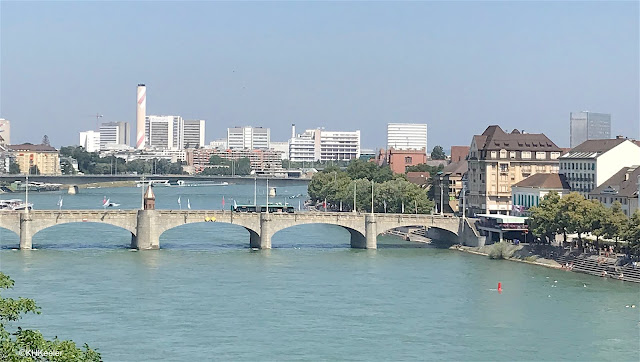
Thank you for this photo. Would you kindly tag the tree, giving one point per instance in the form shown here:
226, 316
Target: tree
631, 232
34, 170
14, 168
14, 344
614, 222
438, 153
543, 217
45, 140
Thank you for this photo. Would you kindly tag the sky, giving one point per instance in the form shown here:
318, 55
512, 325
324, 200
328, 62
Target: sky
457, 66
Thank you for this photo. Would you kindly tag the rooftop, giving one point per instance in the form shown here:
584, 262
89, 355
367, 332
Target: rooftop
623, 183
593, 148
545, 181
31, 147
455, 168
494, 138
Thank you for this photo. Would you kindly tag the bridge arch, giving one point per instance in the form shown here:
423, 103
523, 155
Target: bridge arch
356, 237
213, 230
88, 229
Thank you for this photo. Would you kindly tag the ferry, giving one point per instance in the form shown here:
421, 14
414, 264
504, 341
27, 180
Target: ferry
14, 205
153, 183
183, 183
273, 208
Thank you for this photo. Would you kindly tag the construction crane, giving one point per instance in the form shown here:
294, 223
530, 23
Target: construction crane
98, 116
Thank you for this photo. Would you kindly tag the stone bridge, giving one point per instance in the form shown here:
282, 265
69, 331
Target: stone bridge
146, 226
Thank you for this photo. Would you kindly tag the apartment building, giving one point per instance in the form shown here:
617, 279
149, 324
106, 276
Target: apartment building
45, 157
623, 187
593, 162
498, 160
320, 145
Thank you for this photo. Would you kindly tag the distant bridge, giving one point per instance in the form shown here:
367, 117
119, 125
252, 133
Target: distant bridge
146, 226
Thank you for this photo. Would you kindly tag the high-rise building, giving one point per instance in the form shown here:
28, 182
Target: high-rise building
90, 141
5, 132
248, 138
407, 136
589, 126
498, 160
164, 132
321, 145
114, 133
193, 133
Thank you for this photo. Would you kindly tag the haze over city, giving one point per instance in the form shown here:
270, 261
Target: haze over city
342, 66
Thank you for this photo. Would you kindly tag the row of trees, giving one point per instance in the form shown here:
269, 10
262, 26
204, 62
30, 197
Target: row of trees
575, 214
92, 163
391, 193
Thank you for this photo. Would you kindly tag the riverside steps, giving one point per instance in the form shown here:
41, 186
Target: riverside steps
146, 226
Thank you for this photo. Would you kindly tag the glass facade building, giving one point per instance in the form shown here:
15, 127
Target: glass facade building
589, 126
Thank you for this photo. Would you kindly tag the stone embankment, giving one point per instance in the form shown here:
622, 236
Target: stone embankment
557, 258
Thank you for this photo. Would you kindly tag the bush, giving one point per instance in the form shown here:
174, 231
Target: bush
501, 250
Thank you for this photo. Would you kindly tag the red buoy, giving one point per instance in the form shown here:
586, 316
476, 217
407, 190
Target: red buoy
499, 287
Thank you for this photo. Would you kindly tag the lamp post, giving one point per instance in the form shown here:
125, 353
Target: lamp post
371, 197
26, 193
463, 198
354, 196
441, 196
267, 193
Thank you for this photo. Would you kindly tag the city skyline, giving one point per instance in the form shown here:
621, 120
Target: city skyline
342, 66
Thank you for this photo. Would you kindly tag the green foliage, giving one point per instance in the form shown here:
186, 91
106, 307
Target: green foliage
34, 170
14, 345
91, 163
337, 187
423, 167
501, 250
438, 153
14, 168
543, 218
614, 222
631, 232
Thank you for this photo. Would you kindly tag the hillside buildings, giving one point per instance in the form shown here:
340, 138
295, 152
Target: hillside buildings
407, 136
114, 133
241, 138
498, 160
592, 162
320, 145
90, 141
589, 126
29, 156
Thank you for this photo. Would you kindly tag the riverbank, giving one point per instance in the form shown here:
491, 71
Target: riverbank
548, 256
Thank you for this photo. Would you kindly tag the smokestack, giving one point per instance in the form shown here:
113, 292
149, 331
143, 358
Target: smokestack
141, 115
293, 130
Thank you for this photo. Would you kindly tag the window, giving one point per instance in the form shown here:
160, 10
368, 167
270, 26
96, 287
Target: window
503, 153
555, 155
408, 159
504, 167
526, 155
512, 154
493, 154
541, 155
580, 164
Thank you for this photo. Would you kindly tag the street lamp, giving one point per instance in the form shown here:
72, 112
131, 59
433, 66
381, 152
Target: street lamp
441, 196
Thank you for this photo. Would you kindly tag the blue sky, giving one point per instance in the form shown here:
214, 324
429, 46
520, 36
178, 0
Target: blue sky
457, 66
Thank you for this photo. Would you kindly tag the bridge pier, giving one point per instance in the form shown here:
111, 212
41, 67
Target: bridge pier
265, 233
358, 241
148, 230
254, 239
371, 232
26, 235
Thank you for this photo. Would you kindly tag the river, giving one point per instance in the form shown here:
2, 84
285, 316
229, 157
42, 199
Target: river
206, 296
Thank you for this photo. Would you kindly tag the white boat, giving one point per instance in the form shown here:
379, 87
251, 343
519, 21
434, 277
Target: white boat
14, 205
153, 183
183, 183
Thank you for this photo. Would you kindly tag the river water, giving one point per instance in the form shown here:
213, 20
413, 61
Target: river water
206, 296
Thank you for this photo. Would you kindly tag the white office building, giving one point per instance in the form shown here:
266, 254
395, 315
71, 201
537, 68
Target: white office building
321, 145
589, 126
164, 132
90, 141
593, 162
282, 147
248, 138
193, 133
114, 133
407, 136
